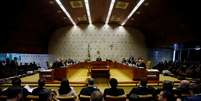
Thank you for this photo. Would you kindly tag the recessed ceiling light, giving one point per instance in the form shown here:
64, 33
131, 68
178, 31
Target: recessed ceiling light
66, 12
138, 12
65, 18
59, 11
133, 11
110, 11
88, 11
51, 2
146, 4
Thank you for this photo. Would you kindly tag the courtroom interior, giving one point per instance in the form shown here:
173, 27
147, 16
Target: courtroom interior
100, 50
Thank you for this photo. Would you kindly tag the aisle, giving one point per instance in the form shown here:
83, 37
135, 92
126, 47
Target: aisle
119, 75
79, 75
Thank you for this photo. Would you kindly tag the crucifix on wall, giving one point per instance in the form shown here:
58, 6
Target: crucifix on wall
111, 46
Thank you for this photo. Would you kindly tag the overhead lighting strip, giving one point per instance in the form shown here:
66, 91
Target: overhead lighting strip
110, 11
133, 11
88, 11
66, 12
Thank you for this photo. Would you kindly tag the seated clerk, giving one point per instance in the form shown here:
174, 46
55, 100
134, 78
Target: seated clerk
65, 89
40, 90
16, 86
89, 89
113, 91
143, 89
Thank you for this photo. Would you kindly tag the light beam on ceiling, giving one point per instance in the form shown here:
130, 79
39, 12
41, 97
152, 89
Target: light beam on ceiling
132, 12
110, 11
88, 11
66, 12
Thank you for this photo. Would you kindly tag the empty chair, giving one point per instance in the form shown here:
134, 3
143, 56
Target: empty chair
115, 98
66, 98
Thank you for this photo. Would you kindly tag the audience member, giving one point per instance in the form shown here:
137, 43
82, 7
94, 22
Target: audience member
65, 89
97, 96
113, 91
167, 94
143, 89
196, 88
15, 95
89, 89
42, 92
184, 91
16, 86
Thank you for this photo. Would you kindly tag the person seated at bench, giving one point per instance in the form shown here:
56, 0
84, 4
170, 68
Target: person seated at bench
42, 92
16, 84
113, 91
143, 89
65, 89
89, 89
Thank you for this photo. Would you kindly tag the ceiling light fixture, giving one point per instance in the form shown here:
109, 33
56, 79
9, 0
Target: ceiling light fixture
133, 11
110, 11
64, 10
88, 11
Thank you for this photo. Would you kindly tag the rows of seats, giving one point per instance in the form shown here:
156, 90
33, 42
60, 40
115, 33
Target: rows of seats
83, 98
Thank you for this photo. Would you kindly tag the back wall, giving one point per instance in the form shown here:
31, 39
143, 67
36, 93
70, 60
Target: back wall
91, 41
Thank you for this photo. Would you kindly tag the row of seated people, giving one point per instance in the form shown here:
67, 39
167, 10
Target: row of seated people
10, 68
137, 62
185, 92
182, 69
60, 62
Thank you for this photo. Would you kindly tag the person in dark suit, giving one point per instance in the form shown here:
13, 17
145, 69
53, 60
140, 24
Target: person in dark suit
89, 89
42, 92
143, 89
16, 86
113, 91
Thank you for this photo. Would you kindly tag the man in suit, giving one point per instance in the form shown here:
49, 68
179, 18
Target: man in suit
89, 89
42, 92
143, 89
16, 89
113, 91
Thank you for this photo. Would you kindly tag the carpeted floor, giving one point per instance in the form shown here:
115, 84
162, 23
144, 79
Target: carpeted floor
102, 83
82, 75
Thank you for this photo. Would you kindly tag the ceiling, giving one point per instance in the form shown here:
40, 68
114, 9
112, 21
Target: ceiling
27, 24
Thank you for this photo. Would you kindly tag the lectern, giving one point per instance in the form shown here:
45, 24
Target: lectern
47, 75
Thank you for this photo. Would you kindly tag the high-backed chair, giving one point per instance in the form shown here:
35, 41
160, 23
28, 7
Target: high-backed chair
115, 98
84, 98
3, 98
32, 98
66, 98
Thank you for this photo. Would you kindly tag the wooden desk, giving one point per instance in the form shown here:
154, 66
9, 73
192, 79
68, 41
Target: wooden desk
134, 72
153, 74
60, 73
47, 75
99, 69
